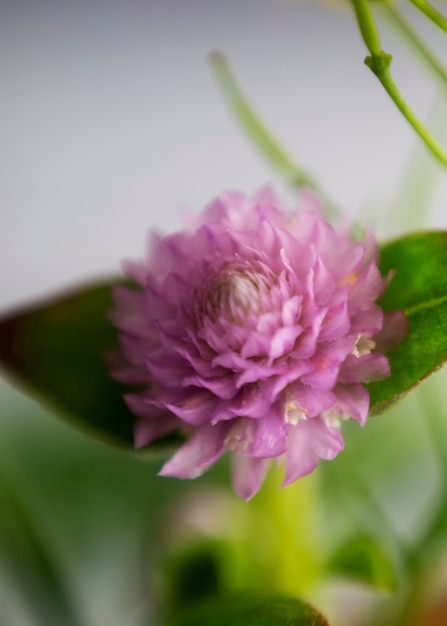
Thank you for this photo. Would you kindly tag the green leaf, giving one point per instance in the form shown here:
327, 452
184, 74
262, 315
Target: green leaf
363, 560
56, 352
28, 562
419, 288
245, 609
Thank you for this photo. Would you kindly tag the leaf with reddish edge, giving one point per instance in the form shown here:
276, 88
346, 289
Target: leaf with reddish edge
56, 351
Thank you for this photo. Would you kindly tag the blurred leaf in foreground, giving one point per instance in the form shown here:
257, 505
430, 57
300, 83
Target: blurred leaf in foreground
56, 351
362, 559
249, 610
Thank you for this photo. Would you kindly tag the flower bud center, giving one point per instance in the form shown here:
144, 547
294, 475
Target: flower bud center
234, 293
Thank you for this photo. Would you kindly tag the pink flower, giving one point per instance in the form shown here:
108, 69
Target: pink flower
252, 331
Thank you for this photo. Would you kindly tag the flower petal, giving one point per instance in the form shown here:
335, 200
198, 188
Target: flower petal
247, 475
204, 447
307, 443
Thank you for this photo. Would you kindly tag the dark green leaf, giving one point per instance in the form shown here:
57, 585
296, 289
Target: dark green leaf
56, 352
363, 560
194, 574
419, 288
249, 610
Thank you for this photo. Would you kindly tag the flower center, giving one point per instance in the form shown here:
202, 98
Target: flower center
234, 293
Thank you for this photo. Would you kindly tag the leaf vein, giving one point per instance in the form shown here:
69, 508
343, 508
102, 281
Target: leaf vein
425, 305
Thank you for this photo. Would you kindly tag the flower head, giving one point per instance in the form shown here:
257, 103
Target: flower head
251, 331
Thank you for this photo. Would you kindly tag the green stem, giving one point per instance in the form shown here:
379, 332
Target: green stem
390, 87
379, 63
431, 12
415, 191
414, 39
367, 26
260, 136
293, 514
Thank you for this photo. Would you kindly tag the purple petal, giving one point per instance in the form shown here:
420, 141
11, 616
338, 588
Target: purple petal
148, 430
323, 283
310, 401
322, 379
307, 443
283, 341
196, 408
367, 322
364, 369
223, 387
168, 371
256, 345
260, 437
204, 447
336, 323
291, 311
253, 401
365, 289
306, 343
247, 475
352, 401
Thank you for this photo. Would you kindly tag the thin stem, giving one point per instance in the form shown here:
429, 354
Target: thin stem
431, 12
379, 63
413, 201
367, 26
260, 136
390, 87
413, 37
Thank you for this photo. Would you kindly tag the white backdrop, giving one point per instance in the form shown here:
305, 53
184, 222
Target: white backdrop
111, 121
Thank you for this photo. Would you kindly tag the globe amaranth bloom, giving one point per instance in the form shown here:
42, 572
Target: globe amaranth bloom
251, 331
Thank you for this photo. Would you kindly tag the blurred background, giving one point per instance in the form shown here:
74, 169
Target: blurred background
111, 125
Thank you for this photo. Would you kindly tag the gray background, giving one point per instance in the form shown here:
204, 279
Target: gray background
111, 122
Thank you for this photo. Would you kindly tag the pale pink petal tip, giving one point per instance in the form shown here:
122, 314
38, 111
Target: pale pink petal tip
195, 456
247, 475
254, 330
